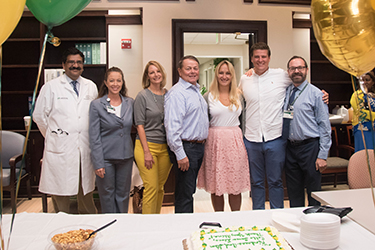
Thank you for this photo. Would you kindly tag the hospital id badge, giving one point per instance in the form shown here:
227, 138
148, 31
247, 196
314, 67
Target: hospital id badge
288, 114
111, 110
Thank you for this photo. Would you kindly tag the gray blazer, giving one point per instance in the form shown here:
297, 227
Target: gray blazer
109, 134
242, 116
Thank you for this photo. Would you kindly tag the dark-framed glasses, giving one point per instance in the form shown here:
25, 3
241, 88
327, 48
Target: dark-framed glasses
71, 62
300, 68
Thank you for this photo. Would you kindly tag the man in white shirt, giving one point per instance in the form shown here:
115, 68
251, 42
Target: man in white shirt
264, 94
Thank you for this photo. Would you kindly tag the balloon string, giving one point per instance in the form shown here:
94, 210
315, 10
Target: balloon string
367, 153
1, 150
359, 101
41, 59
370, 174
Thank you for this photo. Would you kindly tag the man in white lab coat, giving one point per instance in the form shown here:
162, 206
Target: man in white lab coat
62, 115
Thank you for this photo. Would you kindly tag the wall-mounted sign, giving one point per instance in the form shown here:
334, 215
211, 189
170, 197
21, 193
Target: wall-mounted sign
126, 43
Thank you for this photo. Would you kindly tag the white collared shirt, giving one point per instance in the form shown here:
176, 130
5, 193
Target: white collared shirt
264, 96
71, 84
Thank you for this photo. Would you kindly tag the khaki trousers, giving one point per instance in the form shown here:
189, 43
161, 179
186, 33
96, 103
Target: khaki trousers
85, 203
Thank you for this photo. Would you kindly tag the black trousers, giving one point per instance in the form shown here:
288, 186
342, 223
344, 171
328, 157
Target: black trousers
300, 172
186, 181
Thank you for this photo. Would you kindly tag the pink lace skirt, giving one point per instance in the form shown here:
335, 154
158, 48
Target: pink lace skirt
225, 168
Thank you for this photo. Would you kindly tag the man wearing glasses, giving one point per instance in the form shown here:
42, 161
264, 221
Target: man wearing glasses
264, 92
309, 135
62, 115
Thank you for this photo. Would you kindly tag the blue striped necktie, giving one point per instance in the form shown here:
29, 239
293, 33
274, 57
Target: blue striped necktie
75, 87
292, 96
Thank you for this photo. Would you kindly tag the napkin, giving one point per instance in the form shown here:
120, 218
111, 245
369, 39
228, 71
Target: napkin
286, 222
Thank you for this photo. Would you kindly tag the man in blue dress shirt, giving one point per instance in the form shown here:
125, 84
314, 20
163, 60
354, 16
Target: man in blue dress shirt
186, 125
309, 136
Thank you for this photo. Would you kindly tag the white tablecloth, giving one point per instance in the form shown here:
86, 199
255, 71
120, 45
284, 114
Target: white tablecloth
164, 232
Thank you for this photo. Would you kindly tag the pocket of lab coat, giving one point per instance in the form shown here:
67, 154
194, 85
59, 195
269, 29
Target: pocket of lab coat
57, 143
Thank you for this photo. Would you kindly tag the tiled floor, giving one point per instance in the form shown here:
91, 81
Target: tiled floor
202, 203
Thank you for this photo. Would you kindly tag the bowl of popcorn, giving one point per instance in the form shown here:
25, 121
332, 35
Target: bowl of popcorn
73, 238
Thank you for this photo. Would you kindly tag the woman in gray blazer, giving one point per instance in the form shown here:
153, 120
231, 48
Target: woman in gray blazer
111, 120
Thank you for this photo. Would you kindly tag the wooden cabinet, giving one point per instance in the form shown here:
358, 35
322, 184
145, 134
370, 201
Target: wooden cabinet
326, 76
19, 71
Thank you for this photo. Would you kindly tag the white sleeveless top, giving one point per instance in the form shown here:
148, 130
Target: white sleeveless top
221, 115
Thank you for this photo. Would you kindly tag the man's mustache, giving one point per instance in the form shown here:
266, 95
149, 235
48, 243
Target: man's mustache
75, 68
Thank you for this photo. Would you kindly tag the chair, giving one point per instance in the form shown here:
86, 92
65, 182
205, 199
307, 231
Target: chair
358, 174
335, 163
349, 132
11, 158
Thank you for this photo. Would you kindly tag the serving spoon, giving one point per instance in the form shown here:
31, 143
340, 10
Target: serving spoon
101, 228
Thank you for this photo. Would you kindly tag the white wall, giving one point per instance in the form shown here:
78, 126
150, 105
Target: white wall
301, 45
128, 60
213, 50
237, 63
221, 51
157, 24
205, 70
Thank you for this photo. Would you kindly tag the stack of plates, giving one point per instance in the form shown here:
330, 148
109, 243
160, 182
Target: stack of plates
335, 119
320, 231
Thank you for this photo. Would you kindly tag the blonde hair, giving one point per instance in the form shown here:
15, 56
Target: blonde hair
233, 93
146, 79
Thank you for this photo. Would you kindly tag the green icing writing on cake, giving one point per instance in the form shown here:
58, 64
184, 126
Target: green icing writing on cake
236, 238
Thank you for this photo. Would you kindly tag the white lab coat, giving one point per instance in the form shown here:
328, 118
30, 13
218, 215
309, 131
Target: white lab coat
63, 120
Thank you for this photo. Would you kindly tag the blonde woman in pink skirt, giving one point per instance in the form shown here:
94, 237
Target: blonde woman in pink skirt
225, 168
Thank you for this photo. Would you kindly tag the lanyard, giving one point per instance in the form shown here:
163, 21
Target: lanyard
295, 99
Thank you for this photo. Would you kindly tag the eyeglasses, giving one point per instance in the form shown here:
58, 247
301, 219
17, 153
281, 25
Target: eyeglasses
74, 62
300, 68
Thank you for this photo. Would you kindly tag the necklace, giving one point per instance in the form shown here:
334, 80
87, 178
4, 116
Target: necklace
161, 110
225, 100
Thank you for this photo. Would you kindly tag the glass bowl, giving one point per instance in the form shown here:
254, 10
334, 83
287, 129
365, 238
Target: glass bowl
73, 241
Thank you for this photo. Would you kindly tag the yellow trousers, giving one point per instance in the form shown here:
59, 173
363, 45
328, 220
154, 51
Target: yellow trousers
154, 178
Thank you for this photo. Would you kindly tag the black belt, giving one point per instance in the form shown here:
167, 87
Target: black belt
195, 141
303, 142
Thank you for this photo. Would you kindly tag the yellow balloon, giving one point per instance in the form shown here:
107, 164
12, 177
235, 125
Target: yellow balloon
345, 31
10, 14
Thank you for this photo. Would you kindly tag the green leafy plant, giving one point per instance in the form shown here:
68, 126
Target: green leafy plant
203, 90
219, 60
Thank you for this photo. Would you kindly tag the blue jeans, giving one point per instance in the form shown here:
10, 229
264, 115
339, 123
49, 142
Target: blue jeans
266, 160
186, 181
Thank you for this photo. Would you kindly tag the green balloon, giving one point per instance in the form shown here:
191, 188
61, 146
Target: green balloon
55, 12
